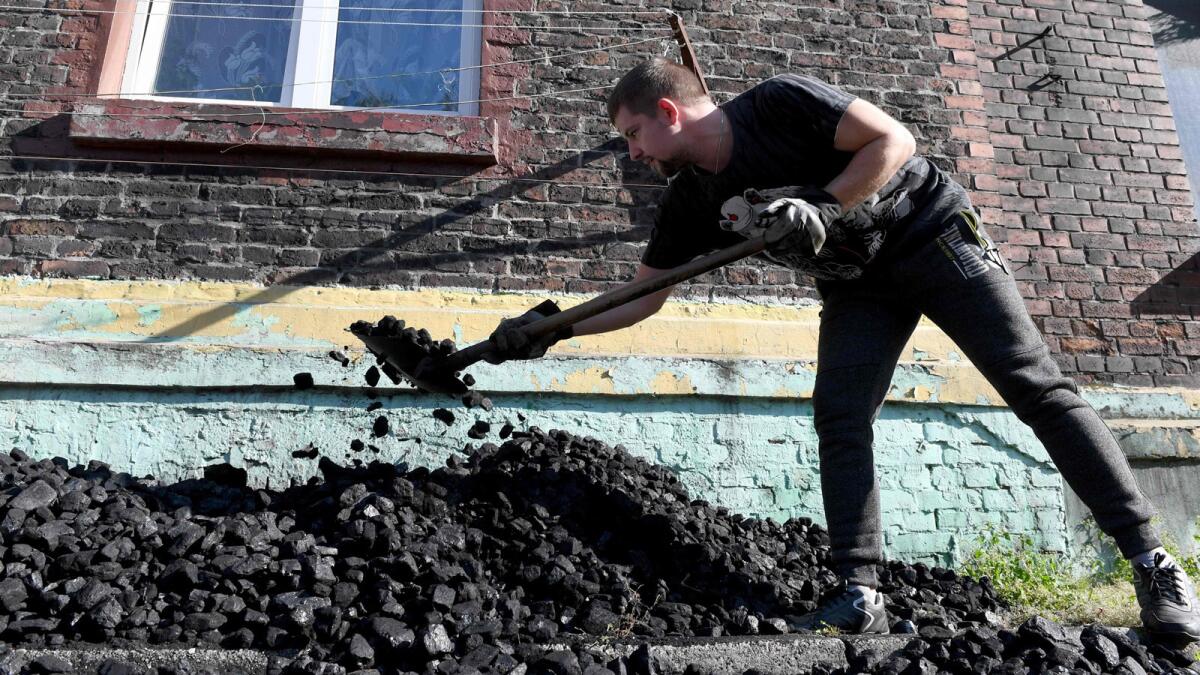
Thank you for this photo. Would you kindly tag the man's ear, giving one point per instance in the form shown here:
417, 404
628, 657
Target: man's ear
669, 110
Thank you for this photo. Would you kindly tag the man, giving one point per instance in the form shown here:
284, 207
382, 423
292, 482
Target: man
834, 184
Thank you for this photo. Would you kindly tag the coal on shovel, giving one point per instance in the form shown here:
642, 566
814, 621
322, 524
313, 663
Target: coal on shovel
433, 370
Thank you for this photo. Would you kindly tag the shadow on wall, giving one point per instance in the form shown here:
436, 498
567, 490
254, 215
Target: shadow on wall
1177, 293
1175, 21
373, 263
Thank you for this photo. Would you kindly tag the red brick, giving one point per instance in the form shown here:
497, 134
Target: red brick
72, 268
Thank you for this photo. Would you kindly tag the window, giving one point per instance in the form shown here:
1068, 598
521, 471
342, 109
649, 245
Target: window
406, 55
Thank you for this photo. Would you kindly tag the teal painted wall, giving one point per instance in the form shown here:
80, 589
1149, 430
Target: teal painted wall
946, 471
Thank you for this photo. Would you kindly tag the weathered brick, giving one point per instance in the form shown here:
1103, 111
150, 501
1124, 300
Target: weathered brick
115, 230
72, 268
57, 228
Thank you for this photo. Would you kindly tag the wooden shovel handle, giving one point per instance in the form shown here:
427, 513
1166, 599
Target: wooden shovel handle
614, 298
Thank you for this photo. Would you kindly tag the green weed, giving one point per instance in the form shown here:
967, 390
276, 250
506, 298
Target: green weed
1047, 583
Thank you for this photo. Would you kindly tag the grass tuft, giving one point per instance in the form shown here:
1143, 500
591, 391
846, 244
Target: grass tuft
1035, 582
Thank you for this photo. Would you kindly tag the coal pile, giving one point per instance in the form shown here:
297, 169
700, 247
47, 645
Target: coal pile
468, 568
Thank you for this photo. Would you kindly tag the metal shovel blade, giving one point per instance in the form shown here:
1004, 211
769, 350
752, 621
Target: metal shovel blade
413, 363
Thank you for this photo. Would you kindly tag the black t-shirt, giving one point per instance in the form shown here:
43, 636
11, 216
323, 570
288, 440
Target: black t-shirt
782, 135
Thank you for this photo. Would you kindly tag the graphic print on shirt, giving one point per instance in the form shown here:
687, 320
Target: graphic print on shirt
851, 242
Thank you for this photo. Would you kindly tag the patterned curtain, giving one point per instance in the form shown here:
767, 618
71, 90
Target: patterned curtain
222, 45
376, 60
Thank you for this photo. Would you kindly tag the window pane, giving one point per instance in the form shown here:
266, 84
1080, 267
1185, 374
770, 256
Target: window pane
370, 50
239, 46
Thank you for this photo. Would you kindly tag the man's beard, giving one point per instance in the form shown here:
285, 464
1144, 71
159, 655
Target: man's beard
667, 168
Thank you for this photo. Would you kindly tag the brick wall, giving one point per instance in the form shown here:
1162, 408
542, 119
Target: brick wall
1067, 143
1094, 195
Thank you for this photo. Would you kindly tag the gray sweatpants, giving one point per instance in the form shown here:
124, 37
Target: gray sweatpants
960, 282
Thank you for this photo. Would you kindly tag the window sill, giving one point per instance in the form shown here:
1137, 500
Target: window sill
473, 140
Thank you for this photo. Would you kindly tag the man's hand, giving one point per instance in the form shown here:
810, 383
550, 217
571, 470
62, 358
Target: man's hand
798, 221
512, 344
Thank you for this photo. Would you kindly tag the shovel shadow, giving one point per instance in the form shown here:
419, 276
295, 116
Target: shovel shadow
374, 259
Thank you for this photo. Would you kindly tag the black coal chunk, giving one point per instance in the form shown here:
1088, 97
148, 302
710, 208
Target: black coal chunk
303, 380
474, 399
479, 430
444, 416
372, 376
380, 426
307, 452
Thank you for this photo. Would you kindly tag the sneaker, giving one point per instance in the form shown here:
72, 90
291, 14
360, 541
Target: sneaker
1167, 598
848, 612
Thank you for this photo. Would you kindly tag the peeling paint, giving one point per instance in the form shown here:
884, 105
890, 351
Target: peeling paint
148, 315
589, 381
667, 382
76, 317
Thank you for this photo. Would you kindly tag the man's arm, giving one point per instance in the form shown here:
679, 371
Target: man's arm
630, 313
881, 145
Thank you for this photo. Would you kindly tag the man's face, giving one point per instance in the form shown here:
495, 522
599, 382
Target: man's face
652, 140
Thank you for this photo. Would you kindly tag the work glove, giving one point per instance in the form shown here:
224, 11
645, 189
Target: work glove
511, 342
800, 221
791, 219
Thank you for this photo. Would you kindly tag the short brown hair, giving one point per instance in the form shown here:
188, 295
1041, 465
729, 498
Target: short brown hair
640, 89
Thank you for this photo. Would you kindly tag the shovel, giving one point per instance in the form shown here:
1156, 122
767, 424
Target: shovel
438, 374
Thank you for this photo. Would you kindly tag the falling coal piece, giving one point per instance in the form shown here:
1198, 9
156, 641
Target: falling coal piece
479, 429
303, 380
468, 380
372, 448
340, 357
374, 406
444, 416
506, 430
474, 399
357, 445
380, 427
372, 376
520, 417
307, 452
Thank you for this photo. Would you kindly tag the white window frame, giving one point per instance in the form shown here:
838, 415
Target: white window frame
310, 52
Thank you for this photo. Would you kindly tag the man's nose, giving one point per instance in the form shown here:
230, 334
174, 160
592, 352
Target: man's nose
635, 152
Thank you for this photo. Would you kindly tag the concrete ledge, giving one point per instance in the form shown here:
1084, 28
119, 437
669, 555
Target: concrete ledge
87, 659
772, 655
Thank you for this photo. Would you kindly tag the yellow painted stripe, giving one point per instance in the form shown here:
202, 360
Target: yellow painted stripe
228, 315
224, 310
